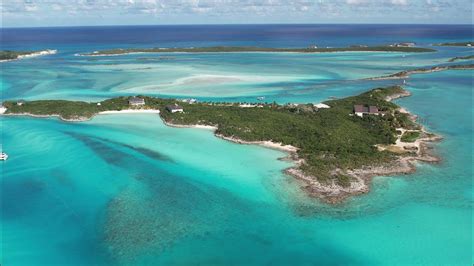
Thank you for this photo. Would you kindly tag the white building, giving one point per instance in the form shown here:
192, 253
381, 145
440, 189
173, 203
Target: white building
190, 101
136, 101
174, 108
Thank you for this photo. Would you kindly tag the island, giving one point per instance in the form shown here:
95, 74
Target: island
469, 44
406, 73
9, 55
458, 58
336, 148
228, 49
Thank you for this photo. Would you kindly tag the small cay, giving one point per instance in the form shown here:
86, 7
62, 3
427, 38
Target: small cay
336, 150
8, 55
406, 73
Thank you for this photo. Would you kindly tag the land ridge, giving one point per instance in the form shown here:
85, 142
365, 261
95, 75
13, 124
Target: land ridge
336, 153
228, 49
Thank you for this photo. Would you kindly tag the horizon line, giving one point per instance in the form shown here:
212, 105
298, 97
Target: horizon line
229, 24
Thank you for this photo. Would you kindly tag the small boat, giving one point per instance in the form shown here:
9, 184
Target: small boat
3, 156
261, 98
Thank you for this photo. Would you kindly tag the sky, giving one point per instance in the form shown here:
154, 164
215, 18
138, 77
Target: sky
31, 13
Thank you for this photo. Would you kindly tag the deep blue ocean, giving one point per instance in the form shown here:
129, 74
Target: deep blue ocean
128, 190
336, 35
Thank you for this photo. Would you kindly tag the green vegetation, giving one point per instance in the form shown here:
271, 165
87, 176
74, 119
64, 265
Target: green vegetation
66, 109
468, 57
226, 49
455, 44
11, 55
410, 136
327, 139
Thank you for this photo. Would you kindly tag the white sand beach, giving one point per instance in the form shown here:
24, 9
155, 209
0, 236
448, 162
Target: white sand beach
130, 111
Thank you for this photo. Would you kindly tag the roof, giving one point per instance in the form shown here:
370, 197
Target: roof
373, 109
359, 108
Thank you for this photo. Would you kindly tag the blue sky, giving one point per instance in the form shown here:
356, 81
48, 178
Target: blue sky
21, 13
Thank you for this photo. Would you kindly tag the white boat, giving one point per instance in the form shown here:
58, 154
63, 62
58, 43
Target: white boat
3, 156
261, 98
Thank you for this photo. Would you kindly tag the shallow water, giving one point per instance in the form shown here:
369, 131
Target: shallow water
126, 189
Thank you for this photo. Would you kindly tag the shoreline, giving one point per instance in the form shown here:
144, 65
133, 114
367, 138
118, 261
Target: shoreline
332, 193
267, 144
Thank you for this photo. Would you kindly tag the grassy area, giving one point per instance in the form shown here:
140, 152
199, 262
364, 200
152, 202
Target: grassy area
224, 49
327, 139
10, 55
410, 136
457, 58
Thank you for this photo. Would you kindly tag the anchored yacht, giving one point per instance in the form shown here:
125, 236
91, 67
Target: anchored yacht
3, 156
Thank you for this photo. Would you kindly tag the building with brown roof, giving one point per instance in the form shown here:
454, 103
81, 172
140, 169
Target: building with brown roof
361, 110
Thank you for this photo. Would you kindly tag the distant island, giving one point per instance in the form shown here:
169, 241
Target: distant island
337, 147
9, 55
459, 58
227, 49
407, 73
469, 44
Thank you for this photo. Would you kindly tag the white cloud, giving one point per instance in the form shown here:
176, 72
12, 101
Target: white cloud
356, 2
399, 2
248, 11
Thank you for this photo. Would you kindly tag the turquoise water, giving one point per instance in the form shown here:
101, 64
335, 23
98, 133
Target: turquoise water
281, 77
128, 190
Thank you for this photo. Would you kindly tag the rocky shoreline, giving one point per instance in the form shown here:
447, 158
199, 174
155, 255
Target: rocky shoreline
333, 193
